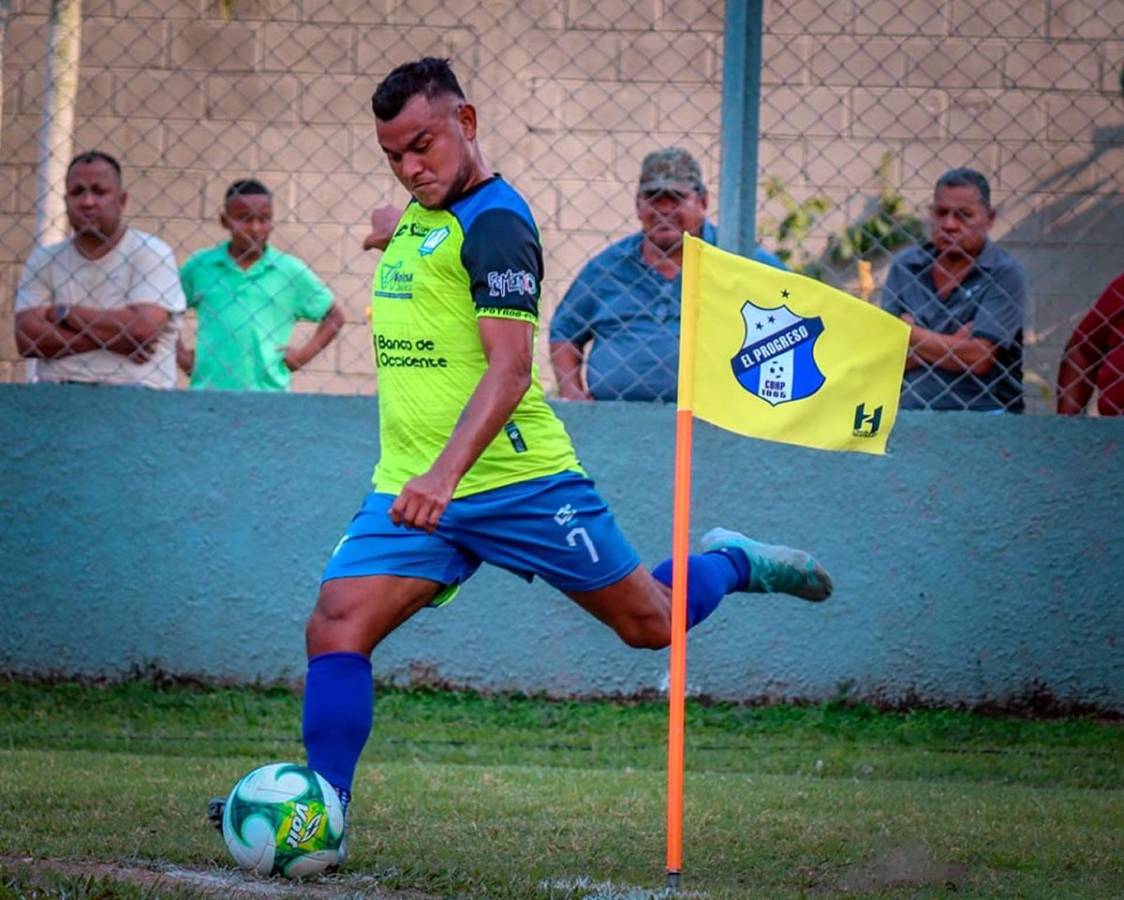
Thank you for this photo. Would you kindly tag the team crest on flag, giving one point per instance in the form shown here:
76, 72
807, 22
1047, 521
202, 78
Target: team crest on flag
776, 362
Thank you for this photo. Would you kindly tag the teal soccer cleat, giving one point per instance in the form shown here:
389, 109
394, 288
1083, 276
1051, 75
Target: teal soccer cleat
774, 569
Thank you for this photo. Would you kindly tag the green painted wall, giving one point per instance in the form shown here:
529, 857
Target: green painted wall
980, 561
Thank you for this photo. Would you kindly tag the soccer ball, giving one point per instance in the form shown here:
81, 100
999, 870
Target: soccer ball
283, 819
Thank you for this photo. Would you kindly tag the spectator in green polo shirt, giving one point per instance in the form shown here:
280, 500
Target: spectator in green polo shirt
248, 297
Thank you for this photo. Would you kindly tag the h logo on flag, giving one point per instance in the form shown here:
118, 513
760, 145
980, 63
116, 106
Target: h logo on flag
862, 420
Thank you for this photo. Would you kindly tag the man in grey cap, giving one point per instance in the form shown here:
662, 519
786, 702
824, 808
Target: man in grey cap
620, 317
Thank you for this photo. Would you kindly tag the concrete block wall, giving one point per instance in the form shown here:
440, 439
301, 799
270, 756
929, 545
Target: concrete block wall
571, 96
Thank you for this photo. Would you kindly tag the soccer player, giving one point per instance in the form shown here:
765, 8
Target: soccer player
474, 464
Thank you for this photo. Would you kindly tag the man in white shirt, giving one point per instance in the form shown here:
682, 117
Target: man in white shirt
103, 306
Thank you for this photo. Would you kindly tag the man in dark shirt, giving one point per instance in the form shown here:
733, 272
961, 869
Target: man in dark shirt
965, 300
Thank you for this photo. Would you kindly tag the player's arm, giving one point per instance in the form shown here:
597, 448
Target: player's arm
566, 359
508, 349
39, 337
129, 330
325, 333
503, 258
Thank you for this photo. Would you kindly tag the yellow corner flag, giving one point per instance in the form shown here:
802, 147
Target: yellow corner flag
775, 355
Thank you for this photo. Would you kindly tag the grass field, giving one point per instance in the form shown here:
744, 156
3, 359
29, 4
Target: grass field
466, 796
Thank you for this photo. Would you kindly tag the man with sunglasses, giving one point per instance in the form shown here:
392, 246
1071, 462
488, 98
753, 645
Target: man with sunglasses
620, 317
965, 301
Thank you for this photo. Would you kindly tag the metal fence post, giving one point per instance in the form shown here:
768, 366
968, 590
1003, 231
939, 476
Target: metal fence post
741, 100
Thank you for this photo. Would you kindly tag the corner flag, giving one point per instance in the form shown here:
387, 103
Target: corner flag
773, 355
783, 357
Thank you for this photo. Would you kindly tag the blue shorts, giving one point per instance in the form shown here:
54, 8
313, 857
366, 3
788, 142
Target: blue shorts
557, 527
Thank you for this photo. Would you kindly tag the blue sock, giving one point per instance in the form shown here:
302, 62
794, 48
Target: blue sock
710, 577
339, 701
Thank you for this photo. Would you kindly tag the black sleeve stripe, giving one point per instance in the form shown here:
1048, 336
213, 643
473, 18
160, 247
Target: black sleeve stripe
503, 258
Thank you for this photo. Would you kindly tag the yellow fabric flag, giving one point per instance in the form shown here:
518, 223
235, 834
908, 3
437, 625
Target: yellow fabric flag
778, 356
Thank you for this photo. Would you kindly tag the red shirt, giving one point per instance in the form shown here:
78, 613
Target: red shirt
1102, 331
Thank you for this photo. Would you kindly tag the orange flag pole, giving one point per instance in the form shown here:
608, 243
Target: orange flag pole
681, 520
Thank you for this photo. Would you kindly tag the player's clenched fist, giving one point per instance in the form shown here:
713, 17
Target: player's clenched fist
421, 502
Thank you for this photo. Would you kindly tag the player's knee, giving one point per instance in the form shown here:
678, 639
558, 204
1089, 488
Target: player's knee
647, 633
328, 617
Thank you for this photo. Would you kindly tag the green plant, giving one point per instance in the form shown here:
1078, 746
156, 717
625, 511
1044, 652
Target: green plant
886, 229
789, 233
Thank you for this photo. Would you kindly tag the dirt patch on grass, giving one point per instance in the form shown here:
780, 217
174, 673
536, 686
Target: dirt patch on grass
902, 867
210, 882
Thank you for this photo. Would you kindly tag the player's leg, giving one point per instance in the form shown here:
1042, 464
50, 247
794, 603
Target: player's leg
638, 606
352, 616
560, 529
378, 576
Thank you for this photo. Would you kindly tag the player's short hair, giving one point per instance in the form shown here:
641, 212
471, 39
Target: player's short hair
246, 186
429, 76
965, 177
90, 156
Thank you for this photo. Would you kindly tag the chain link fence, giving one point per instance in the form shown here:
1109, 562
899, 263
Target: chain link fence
863, 107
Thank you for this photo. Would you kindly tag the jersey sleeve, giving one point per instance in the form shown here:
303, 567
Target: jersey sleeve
35, 288
503, 258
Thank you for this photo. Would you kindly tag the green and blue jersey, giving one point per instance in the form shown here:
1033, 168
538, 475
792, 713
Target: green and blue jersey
442, 270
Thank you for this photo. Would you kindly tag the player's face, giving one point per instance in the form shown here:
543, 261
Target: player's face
249, 219
429, 147
95, 202
665, 214
959, 221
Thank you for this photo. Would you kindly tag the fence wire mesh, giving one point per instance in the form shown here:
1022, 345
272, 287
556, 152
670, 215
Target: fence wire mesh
863, 107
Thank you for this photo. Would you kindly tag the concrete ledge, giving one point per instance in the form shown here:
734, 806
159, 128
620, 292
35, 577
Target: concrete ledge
979, 563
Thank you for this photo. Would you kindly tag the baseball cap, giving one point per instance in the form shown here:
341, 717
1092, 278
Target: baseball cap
669, 168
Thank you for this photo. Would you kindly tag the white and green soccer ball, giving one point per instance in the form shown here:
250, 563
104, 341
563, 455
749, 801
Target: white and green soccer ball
283, 819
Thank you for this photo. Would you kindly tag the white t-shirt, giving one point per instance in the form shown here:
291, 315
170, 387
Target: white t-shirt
140, 269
